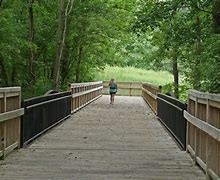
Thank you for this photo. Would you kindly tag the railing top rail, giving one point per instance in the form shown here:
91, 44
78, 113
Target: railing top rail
72, 85
125, 82
171, 98
48, 95
171, 104
204, 95
157, 87
10, 89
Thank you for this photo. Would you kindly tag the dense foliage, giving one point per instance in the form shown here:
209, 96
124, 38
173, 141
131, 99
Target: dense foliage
187, 33
49, 44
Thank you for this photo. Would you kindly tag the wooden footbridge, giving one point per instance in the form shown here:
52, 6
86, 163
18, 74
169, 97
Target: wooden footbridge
53, 137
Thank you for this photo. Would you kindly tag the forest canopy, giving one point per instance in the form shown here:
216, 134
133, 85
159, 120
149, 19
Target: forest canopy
49, 44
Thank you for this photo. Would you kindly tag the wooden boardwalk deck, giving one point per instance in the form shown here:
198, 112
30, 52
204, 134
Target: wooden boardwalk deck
103, 142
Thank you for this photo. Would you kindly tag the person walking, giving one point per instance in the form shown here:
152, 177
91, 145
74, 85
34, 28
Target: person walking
112, 90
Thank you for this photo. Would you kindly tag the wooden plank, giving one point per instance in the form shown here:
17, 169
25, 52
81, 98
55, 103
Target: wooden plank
213, 175
11, 94
11, 148
103, 141
10, 119
202, 136
192, 97
191, 151
196, 135
11, 114
207, 138
191, 128
10, 89
82, 106
73, 85
214, 104
201, 163
149, 93
218, 160
86, 92
124, 87
4, 125
202, 95
208, 144
202, 101
214, 116
150, 105
213, 157
124, 82
209, 129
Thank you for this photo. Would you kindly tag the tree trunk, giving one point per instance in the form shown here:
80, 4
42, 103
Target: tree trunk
61, 34
197, 73
1, 3
175, 74
78, 64
66, 61
4, 73
32, 60
13, 75
56, 69
216, 16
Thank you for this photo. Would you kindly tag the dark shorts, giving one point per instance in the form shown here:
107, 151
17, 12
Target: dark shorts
112, 92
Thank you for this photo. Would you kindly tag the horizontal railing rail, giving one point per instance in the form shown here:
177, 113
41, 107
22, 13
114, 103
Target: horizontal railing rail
203, 131
10, 113
170, 112
43, 113
124, 88
149, 94
84, 93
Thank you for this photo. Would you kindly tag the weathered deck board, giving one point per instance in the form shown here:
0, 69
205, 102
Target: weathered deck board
104, 142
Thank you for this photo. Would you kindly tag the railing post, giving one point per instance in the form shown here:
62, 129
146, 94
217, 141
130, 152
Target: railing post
87, 92
204, 129
207, 140
10, 119
4, 126
195, 133
149, 93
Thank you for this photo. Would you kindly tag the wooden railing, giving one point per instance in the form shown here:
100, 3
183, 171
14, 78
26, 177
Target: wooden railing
42, 113
170, 112
149, 93
125, 88
10, 112
84, 93
203, 131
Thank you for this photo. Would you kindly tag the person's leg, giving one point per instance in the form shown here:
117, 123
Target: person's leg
111, 98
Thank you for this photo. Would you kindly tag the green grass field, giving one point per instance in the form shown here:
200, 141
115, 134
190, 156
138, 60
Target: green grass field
131, 74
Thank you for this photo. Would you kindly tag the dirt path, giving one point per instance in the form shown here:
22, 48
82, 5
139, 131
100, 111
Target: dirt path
103, 142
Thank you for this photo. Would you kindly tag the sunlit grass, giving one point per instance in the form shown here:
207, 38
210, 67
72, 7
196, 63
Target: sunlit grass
131, 74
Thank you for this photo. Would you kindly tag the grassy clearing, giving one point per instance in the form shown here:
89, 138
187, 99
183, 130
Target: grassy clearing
131, 74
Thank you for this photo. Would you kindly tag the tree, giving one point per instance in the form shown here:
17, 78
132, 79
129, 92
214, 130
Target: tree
184, 33
32, 59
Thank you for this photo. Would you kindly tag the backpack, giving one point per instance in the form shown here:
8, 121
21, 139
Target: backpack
113, 87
